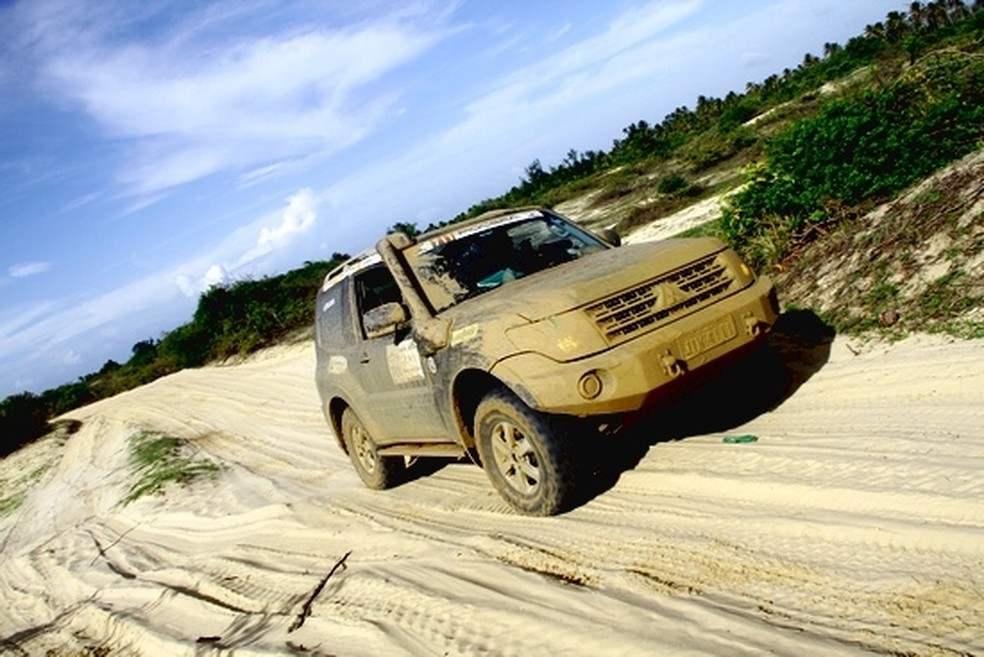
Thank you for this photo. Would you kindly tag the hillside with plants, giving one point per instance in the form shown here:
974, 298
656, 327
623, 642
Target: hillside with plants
801, 157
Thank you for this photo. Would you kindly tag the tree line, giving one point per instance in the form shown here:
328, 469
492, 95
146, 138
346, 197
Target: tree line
232, 319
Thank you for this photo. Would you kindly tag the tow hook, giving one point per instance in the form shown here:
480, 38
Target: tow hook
752, 325
672, 366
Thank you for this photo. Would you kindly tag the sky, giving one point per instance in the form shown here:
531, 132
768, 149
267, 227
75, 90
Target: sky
149, 150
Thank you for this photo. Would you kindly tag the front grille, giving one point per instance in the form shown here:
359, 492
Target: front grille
661, 300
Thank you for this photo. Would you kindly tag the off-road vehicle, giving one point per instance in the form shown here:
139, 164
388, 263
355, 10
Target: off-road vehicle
514, 335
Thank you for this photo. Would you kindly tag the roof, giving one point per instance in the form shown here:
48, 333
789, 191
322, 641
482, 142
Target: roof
370, 257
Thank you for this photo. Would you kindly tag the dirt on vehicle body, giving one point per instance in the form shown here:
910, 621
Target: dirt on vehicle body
508, 334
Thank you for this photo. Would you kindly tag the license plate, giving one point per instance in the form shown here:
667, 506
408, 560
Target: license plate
708, 337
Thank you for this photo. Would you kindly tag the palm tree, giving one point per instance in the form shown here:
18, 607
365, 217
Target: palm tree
916, 15
876, 31
809, 60
936, 15
956, 9
895, 27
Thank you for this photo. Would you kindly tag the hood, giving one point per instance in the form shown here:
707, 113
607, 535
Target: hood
579, 282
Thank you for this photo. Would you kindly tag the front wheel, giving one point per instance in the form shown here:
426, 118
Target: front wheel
376, 471
525, 454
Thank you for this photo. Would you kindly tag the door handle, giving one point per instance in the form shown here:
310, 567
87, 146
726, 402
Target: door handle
364, 359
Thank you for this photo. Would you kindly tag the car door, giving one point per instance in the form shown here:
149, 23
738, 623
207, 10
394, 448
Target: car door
397, 381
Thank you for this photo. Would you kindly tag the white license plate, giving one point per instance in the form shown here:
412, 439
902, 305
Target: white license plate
707, 337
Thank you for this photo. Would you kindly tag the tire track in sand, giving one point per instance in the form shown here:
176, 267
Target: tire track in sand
853, 525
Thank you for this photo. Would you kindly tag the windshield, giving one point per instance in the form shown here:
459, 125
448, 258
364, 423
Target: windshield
462, 264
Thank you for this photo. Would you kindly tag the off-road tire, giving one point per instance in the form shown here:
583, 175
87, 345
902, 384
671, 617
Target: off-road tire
525, 454
377, 472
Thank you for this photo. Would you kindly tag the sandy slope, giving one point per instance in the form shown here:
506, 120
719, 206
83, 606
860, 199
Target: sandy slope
855, 523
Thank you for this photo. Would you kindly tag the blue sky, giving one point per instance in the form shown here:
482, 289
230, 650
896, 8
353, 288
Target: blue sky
151, 149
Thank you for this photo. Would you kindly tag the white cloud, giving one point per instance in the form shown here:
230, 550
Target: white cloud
193, 106
50, 332
71, 357
753, 58
215, 275
268, 172
246, 247
49, 326
186, 285
561, 31
25, 269
299, 215
529, 107
19, 318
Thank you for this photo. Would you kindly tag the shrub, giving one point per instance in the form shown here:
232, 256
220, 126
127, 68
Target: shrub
23, 419
861, 149
159, 459
672, 183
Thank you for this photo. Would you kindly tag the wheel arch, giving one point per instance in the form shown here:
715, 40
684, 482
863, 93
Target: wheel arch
469, 388
333, 412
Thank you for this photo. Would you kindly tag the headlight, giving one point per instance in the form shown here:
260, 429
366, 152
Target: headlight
742, 273
563, 337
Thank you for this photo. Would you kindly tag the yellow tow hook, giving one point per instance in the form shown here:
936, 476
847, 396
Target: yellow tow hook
671, 365
752, 325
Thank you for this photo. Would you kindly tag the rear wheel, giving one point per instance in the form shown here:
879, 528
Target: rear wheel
525, 454
375, 471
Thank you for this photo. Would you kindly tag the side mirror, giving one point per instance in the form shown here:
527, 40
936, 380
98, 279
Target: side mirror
610, 236
383, 320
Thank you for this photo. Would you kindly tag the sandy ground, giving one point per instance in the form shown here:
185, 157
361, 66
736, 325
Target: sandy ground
690, 217
854, 524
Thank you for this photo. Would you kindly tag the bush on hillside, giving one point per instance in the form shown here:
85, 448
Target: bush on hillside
23, 418
861, 149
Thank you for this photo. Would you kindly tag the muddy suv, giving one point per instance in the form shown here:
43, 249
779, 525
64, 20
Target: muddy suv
515, 335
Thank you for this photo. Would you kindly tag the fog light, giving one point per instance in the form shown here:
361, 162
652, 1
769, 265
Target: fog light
590, 385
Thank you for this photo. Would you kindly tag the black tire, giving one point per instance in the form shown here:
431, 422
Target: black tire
525, 454
376, 471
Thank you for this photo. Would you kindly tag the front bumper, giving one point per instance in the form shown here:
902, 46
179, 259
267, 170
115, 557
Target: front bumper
633, 375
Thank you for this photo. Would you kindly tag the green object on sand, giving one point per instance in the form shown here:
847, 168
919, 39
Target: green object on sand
747, 438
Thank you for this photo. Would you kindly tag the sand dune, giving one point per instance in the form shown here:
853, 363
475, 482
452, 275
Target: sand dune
855, 523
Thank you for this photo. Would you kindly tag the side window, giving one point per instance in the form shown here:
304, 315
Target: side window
374, 287
329, 318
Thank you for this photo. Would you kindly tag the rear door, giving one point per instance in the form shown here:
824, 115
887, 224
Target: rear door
397, 381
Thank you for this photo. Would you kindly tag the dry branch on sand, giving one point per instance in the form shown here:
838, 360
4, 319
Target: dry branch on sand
306, 609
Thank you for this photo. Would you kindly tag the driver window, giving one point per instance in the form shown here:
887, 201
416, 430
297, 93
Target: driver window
374, 287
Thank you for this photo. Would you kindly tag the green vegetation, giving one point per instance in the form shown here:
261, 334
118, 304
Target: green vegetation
8, 504
159, 459
905, 268
16, 490
858, 150
947, 296
831, 137
23, 418
28, 468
